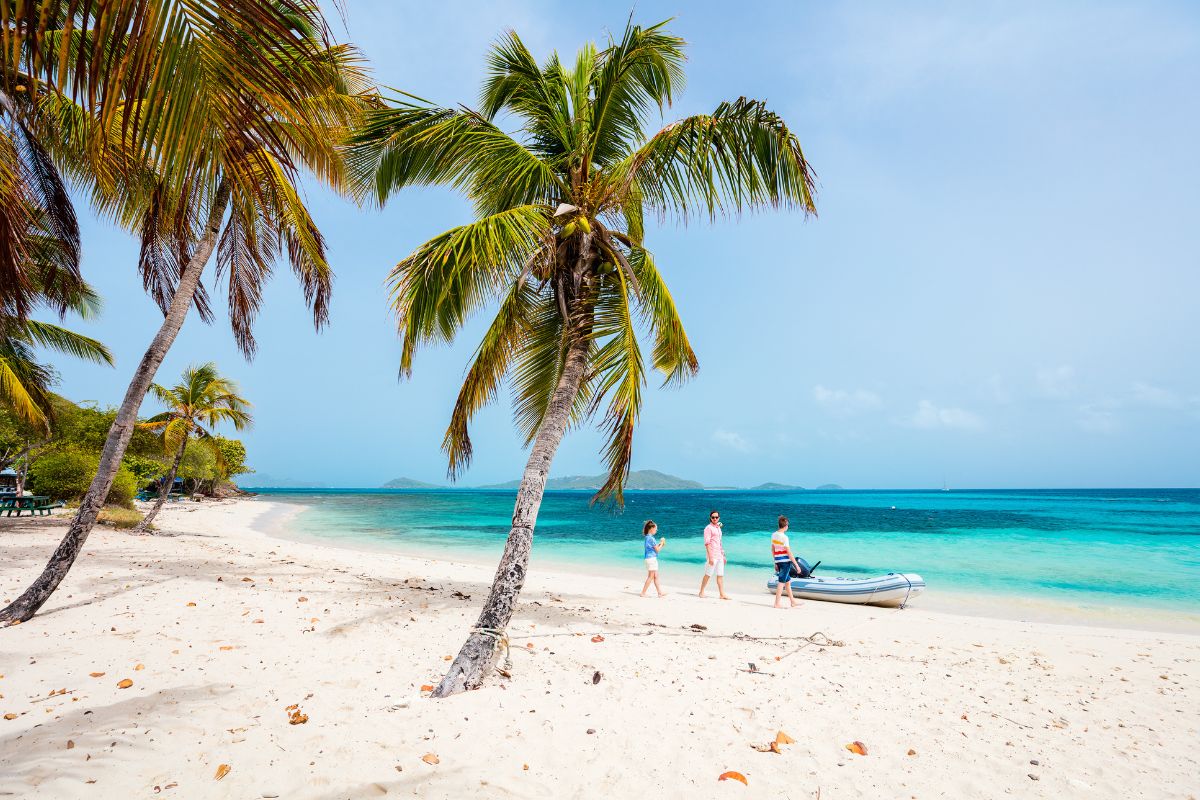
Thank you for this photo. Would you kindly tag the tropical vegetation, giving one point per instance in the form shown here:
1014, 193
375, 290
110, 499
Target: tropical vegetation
559, 244
193, 133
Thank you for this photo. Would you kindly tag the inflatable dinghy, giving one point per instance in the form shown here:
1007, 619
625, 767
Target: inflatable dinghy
894, 590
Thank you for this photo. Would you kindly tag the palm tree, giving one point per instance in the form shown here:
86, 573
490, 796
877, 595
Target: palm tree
203, 396
258, 104
134, 65
558, 242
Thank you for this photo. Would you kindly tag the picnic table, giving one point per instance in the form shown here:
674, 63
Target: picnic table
33, 503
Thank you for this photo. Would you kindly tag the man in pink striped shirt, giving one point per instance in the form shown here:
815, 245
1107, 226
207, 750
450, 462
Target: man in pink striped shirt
715, 555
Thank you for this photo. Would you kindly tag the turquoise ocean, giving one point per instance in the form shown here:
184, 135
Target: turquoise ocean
1122, 555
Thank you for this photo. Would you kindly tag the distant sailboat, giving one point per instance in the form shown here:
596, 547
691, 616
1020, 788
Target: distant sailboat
945, 488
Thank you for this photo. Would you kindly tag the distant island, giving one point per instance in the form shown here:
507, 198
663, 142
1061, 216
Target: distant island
642, 479
409, 483
262, 480
639, 480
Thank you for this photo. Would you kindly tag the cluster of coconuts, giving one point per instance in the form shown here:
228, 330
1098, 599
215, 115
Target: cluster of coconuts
578, 225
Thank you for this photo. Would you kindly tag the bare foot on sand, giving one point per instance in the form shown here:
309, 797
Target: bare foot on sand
663, 594
726, 597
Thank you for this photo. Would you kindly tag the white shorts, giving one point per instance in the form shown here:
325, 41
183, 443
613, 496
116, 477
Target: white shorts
716, 568
652, 564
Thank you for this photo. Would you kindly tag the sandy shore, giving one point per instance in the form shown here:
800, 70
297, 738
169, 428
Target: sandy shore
221, 627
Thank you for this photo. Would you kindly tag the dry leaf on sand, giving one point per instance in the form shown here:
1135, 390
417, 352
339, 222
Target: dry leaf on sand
783, 738
597, 638
10, 716
430, 758
139, 668
96, 674
125, 684
222, 771
733, 776
857, 747
425, 687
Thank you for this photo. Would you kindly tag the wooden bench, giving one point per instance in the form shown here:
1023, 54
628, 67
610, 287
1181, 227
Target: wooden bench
33, 503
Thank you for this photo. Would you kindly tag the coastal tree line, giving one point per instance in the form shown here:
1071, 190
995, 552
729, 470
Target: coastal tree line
191, 122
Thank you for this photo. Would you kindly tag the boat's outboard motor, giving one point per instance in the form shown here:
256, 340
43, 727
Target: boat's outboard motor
806, 571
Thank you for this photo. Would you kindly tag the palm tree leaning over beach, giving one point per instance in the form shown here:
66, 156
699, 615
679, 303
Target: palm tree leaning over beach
202, 397
251, 95
558, 242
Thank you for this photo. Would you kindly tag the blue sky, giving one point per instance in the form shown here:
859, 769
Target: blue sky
1000, 290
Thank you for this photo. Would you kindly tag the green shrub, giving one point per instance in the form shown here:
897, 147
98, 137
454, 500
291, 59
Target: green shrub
66, 475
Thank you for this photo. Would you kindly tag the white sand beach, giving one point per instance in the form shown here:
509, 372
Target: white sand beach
221, 628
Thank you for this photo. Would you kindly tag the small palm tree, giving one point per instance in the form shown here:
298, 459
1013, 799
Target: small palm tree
558, 243
240, 109
202, 398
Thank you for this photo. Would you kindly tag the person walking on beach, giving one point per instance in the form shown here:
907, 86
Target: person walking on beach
715, 555
785, 562
651, 554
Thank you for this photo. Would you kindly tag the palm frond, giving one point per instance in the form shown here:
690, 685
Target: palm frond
488, 368
741, 157
620, 378
642, 71
415, 144
436, 288
59, 338
673, 354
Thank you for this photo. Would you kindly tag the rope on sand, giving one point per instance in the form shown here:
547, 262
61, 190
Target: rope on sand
819, 638
500, 638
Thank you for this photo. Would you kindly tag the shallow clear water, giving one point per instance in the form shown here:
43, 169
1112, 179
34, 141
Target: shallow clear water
1093, 549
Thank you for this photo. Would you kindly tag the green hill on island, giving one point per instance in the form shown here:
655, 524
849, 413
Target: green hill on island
642, 479
409, 483
776, 487
828, 487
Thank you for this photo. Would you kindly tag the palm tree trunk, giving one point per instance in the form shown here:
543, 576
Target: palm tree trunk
165, 490
121, 431
475, 659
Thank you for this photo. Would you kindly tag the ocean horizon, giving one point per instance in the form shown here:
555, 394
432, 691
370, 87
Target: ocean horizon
1123, 556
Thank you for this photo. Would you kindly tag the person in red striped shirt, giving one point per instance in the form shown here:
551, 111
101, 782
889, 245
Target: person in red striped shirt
785, 563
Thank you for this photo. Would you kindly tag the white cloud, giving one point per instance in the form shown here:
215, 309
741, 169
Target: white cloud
929, 415
1157, 397
843, 403
1098, 417
732, 440
1056, 381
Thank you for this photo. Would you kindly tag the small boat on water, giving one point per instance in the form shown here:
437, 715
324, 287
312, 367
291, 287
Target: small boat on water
894, 590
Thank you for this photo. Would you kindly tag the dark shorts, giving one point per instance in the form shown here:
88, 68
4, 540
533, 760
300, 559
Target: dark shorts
784, 572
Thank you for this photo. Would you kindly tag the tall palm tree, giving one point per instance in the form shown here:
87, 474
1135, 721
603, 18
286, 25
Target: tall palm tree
259, 104
61, 57
203, 397
558, 243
